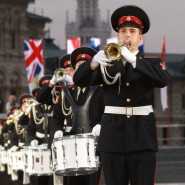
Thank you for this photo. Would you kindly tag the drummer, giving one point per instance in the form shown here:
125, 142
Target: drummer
87, 109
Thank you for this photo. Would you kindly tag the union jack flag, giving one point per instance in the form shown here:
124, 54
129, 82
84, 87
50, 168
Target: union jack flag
34, 60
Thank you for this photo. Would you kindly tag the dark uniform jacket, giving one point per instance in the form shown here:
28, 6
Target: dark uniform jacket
22, 127
45, 96
43, 131
119, 133
13, 136
96, 105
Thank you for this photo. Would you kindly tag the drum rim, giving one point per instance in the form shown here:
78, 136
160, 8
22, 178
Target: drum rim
78, 171
74, 136
41, 174
38, 149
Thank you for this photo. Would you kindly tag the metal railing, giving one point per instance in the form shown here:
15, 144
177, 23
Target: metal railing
174, 134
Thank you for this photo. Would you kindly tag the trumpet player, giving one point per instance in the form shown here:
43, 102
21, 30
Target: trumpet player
128, 138
52, 93
87, 109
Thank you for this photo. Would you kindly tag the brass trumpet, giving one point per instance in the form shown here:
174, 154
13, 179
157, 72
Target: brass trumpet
60, 72
30, 101
18, 112
9, 119
113, 51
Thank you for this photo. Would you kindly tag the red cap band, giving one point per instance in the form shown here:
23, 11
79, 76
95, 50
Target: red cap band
24, 100
67, 63
45, 82
83, 56
131, 19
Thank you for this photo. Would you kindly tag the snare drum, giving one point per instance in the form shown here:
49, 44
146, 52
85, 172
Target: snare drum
18, 160
74, 155
38, 162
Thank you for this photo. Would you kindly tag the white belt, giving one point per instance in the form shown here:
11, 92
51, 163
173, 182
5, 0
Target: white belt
129, 111
41, 135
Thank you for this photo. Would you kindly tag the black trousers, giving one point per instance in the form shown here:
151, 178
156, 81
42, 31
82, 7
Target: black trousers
137, 168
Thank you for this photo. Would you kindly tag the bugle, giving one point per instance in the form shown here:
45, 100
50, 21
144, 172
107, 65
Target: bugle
113, 51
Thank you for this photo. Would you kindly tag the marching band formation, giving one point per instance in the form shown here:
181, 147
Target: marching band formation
50, 133
52, 137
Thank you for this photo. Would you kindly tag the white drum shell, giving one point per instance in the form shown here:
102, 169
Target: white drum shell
18, 160
38, 162
75, 155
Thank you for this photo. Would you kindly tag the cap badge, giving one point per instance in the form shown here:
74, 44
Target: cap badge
128, 18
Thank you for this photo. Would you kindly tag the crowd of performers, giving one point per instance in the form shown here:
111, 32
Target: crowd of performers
57, 128
48, 139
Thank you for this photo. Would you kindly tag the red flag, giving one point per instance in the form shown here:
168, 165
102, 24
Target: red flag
163, 54
72, 44
164, 96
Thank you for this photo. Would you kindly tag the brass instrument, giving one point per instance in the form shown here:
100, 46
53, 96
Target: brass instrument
9, 120
18, 112
30, 101
60, 72
113, 51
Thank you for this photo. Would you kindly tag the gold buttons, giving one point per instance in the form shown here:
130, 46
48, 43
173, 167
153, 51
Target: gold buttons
128, 99
127, 84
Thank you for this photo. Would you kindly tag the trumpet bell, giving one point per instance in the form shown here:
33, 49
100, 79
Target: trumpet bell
112, 51
60, 72
30, 101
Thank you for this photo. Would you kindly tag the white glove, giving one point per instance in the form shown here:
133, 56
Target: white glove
28, 109
98, 59
125, 52
53, 81
66, 78
34, 142
14, 148
96, 130
58, 134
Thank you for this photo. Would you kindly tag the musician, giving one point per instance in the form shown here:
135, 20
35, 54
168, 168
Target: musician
40, 117
52, 94
23, 119
87, 109
128, 139
13, 136
89, 105
55, 118
21, 124
16, 176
